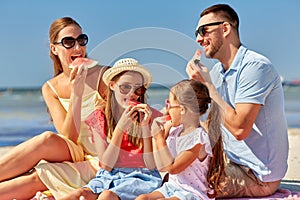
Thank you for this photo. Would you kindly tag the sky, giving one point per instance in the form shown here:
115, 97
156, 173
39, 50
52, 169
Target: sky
158, 33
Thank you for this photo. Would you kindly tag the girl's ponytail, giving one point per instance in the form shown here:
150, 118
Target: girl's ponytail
217, 163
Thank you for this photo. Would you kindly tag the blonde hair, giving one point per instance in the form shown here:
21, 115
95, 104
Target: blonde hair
135, 134
195, 96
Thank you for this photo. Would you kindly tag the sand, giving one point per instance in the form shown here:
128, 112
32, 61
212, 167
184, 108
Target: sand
292, 177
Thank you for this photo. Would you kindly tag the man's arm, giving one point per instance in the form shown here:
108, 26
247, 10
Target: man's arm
238, 121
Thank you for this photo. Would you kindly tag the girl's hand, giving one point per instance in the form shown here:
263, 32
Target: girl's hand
143, 113
167, 127
126, 120
157, 127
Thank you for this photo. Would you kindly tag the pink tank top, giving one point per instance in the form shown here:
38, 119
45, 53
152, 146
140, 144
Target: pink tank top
130, 156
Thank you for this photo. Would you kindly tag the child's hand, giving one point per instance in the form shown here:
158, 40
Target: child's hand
126, 120
157, 128
144, 113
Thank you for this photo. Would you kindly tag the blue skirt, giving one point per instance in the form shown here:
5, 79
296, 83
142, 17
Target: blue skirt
127, 183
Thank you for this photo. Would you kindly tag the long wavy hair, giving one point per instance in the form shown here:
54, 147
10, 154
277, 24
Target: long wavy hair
195, 96
54, 30
135, 132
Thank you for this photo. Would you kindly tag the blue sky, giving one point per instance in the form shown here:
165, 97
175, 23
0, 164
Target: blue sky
159, 33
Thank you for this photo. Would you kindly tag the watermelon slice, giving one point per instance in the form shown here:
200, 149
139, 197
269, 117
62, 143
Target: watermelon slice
155, 113
133, 102
83, 61
168, 118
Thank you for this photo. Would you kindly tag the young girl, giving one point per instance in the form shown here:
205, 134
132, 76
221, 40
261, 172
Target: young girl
187, 155
122, 137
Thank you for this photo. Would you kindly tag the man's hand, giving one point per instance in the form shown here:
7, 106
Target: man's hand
196, 70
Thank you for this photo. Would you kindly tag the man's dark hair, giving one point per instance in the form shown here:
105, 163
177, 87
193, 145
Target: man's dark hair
225, 12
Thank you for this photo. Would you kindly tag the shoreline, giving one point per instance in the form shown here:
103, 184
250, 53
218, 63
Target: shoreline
291, 180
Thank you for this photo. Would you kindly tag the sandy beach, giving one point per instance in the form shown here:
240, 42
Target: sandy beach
291, 180
292, 177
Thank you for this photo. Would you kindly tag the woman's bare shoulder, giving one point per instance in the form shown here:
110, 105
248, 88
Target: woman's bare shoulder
48, 88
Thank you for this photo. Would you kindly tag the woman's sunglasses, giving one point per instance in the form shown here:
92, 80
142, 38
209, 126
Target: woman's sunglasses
169, 106
125, 89
69, 42
201, 30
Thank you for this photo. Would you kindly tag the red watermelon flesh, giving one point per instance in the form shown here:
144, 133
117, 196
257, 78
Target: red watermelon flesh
83, 61
133, 102
168, 118
155, 113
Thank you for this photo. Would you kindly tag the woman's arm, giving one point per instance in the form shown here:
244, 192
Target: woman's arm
67, 123
56, 110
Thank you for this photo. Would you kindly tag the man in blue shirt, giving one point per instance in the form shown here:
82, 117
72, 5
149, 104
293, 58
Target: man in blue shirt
247, 87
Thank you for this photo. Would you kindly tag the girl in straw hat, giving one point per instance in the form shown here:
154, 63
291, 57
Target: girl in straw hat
122, 137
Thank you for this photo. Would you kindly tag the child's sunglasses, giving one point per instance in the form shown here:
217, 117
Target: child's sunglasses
168, 105
125, 89
69, 42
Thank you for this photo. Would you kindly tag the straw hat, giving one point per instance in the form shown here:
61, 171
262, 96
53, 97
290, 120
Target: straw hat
127, 64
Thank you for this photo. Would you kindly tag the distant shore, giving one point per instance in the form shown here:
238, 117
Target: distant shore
152, 86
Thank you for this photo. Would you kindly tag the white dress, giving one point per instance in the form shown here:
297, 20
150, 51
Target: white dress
193, 179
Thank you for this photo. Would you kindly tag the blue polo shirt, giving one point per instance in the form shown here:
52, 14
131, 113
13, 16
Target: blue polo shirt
252, 78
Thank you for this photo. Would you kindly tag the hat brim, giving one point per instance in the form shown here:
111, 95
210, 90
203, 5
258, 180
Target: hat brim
113, 71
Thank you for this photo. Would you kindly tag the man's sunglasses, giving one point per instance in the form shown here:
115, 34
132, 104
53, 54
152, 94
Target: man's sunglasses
125, 89
69, 42
201, 30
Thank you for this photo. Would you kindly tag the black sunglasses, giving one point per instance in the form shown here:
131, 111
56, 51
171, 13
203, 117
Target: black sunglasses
69, 42
201, 30
139, 91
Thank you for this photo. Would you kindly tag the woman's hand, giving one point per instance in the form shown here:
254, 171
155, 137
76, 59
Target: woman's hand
77, 79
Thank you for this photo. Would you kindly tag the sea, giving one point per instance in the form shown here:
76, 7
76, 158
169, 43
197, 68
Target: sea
23, 112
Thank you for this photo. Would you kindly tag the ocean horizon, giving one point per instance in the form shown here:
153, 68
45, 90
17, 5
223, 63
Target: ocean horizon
23, 113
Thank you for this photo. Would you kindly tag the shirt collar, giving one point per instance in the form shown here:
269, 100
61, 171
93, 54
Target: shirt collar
236, 61
238, 58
